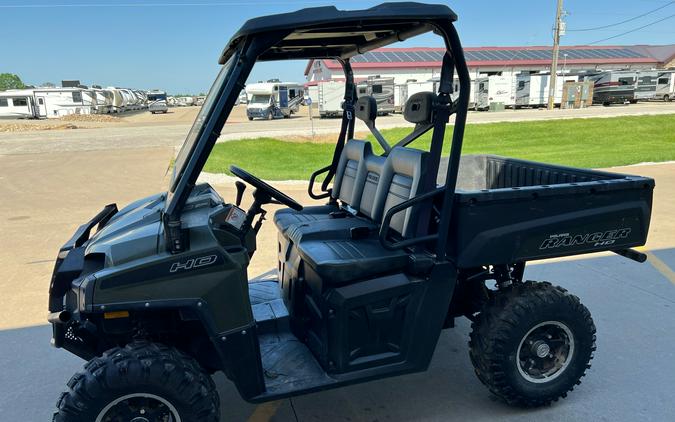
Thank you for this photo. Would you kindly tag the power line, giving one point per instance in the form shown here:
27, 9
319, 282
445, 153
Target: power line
622, 22
633, 30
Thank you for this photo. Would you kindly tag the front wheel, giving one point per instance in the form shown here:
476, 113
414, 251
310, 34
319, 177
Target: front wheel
532, 343
142, 381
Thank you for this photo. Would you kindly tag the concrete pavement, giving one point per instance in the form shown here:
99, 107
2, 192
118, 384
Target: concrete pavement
46, 192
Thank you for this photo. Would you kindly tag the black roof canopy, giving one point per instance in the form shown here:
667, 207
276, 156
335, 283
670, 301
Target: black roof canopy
323, 32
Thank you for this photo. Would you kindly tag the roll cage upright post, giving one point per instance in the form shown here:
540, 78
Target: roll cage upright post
346, 132
452, 59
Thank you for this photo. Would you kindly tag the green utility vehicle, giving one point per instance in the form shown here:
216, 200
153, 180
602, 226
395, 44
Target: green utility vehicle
158, 297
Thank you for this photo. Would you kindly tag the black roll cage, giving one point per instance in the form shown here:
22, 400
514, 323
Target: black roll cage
249, 48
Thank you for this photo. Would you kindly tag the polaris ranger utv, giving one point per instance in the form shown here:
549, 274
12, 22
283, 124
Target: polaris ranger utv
158, 298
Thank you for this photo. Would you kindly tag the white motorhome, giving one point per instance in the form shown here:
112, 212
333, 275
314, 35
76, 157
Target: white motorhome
331, 95
665, 85
270, 100
157, 102
532, 90
18, 104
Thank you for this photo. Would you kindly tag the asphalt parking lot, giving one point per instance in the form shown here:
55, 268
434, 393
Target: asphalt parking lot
46, 191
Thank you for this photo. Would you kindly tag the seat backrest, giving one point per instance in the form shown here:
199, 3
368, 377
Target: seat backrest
348, 169
367, 182
347, 176
400, 180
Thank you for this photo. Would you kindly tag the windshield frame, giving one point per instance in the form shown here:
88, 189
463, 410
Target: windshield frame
197, 129
207, 125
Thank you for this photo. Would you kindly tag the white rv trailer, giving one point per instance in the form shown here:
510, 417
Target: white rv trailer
645, 85
118, 102
501, 89
480, 93
130, 101
104, 101
665, 85
532, 90
400, 97
414, 87
613, 86
270, 100
18, 104
185, 101
89, 99
331, 95
59, 102
157, 102
382, 89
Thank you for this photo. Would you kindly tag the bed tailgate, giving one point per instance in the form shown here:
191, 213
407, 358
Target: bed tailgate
501, 226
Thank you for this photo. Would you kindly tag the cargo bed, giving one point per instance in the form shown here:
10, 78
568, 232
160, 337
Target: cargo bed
509, 210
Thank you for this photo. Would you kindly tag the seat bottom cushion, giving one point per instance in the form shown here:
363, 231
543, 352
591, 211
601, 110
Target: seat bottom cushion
339, 262
329, 229
286, 217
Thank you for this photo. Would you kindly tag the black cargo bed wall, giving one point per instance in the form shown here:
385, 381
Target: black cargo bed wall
478, 172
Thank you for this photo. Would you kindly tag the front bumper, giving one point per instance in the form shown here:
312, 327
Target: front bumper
69, 267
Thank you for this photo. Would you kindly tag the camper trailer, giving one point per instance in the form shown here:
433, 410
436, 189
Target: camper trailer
480, 93
157, 102
613, 87
117, 100
500, 89
382, 89
532, 90
645, 85
104, 101
330, 97
59, 102
271, 100
18, 104
665, 85
400, 97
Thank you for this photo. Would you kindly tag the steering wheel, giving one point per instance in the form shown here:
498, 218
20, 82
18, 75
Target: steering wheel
269, 190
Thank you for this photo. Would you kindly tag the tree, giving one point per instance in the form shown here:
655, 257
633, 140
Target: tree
10, 81
48, 85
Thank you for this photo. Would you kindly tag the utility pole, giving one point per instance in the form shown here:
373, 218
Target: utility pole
554, 62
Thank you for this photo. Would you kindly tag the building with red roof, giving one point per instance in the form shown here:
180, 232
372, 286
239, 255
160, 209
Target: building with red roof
423, 63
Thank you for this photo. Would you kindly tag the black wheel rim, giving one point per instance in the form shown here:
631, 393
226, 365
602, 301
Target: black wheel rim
545, 352
139, 407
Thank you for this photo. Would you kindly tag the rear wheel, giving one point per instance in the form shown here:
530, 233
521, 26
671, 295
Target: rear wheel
141, 382
532, 343
666, 98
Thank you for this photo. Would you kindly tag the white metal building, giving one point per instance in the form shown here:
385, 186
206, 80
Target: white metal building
422, 64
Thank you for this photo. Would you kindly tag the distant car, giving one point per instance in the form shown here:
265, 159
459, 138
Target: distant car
157, 102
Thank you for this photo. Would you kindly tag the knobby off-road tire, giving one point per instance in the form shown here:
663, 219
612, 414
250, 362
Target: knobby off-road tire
141, 380
532, 343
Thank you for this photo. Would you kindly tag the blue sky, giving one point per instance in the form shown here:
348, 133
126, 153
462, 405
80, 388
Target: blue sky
174, 44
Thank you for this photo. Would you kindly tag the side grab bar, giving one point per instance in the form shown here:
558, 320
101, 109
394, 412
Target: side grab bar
322, 195
386, 222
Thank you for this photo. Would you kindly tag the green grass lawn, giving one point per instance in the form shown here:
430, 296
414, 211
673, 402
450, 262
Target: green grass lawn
592, 143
